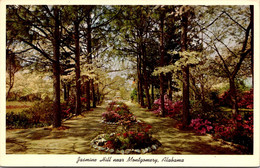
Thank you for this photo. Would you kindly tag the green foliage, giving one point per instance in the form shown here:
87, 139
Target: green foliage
134, 95
41, 112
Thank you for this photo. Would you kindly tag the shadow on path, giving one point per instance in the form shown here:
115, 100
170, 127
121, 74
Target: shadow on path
176, 141
80, 130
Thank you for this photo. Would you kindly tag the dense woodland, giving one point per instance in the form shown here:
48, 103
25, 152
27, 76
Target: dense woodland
199, 58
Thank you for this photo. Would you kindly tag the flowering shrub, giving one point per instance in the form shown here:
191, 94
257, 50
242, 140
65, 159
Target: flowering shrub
225, 99
111, 116
117, 111
134, 138
228, 130
119, 107
247, 100
170, 108
201, 126
239, 131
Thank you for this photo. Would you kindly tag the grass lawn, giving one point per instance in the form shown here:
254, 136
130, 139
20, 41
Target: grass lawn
226, 109
17, 106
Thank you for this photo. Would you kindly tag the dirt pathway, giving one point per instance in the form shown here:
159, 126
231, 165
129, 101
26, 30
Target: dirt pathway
82, 129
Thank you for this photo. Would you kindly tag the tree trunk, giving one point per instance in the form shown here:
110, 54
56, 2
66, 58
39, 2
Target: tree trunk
68, 91
88, 95
146, 78
88, 59
140, 79
185, 94
93, 93
77, 68
138, 90
98, 94
233, 95
170, 86
65, 92
252, 43
152, 93
56, 72
162, 62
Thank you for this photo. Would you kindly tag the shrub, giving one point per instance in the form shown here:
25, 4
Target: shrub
170, 108
135, 138
239, 131
117, 111
111, 116
41, 112
134, 95
19, 120
247, 100
225, 99
201, 126
38, 115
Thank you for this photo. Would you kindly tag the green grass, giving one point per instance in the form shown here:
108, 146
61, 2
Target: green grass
17, 106
227, 109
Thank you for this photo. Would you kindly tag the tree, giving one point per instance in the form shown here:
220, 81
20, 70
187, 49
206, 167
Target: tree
217, 39
12, 66
38, 27
186, 82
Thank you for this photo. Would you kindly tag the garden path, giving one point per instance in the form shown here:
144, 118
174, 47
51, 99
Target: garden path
80, 130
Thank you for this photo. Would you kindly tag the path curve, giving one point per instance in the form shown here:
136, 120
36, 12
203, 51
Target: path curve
82, 129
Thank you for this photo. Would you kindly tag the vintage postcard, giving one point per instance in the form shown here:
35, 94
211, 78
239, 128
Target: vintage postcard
129, 84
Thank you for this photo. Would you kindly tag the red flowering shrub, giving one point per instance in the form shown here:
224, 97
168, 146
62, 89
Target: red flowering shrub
239, 131
247, 100
134, 138
111, 116
225, 99
201, 126
170, 108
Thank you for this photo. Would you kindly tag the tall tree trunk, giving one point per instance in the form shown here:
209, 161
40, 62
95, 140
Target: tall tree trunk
170, 86
93, 93
252, 43
65, 92
68, 91
11, 83
185, 93
88, 94
138, 90
11, 60
162, 62
152, 93
77, 68
89, 57
56, 72
140, 79
146, 78
233, 94
98, 94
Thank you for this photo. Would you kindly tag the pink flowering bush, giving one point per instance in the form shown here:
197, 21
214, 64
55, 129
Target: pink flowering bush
172, 109
201, 126
118, 112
